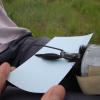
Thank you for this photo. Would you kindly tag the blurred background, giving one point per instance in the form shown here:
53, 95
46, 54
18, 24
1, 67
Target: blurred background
56, 17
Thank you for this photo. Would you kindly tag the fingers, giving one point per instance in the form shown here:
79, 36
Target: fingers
55, 93
5, 69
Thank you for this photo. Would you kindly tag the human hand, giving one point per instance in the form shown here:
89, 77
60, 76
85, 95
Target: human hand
55, 93
5, 69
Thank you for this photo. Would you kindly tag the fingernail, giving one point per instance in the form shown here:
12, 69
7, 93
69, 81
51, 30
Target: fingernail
55, 96
58, 93
5, 69
5, 64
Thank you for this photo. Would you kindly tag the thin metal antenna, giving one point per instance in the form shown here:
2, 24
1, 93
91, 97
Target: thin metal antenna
48, 47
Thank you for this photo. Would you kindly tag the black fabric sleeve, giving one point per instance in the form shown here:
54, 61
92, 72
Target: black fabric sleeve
21, 49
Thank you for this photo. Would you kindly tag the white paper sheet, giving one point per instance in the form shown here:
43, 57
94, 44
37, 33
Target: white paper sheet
38, 75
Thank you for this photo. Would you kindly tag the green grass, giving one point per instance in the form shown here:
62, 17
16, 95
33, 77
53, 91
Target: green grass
56, 17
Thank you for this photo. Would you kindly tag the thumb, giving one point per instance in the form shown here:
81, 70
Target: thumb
55, 93
4, 72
